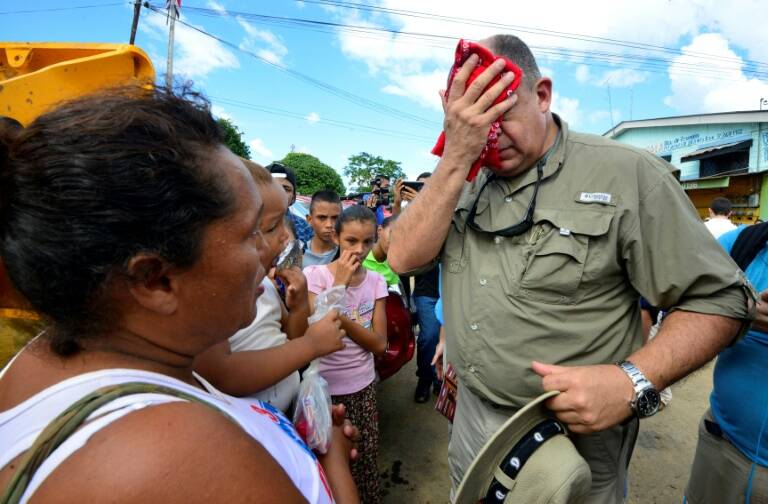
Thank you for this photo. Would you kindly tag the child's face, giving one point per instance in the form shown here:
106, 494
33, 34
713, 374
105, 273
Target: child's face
323, 219
358, 237
384, 238
272, 221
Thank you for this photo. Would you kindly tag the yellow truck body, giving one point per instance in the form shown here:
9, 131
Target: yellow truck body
34, 77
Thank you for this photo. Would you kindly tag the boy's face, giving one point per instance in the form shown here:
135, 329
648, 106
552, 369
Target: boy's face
384, 238
322, 218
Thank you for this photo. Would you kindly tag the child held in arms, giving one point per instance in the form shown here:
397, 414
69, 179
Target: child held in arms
262, 360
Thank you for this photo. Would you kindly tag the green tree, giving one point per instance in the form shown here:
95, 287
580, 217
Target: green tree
313, 175
233, 138
362, 168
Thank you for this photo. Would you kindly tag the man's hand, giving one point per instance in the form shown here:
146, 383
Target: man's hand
346, 266
437, 360
469, 111
296, 294
591, 399
761, 317
326, 335
397, 198
409, 194
373, 199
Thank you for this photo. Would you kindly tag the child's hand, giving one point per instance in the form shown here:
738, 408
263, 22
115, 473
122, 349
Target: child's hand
296, 294
346, 266
351, 432
326, 334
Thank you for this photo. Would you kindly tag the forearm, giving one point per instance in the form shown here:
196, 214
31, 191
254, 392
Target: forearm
420, 231
248, 372
685, 342
370, 340
340, 478
296, 322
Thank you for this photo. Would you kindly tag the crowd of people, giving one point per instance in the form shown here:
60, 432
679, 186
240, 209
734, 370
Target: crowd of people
175, 339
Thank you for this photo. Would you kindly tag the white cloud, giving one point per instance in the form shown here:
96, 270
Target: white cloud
394, 90
398, 58
582, 74
732, 90
269, 56
219, 112
195, 54
255, 39
567, 108
217, 7
258, 148
622, 77
312, 117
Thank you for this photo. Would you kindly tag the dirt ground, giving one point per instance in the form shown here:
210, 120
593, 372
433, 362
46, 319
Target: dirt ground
414, 444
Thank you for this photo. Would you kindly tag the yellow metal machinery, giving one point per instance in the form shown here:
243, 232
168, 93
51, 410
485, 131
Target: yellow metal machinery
34, 77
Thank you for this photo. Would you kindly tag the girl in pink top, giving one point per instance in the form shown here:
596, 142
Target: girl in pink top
350, 372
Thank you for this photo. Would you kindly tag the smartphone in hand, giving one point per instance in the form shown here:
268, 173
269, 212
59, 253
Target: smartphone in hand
416, 186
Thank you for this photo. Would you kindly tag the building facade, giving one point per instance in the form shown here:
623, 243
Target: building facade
724, 154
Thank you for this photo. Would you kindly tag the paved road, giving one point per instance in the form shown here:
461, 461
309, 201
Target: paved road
414, 441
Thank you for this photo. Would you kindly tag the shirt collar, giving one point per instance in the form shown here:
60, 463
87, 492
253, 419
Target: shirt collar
552, 166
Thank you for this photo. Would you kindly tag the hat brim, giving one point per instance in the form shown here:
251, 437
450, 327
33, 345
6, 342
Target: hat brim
477, 478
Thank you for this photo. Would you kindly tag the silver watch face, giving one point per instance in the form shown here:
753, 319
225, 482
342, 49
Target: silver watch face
648, 402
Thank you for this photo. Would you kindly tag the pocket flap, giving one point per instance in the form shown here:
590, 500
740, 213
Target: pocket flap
580, 221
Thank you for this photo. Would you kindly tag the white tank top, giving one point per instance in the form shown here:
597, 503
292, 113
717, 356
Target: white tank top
20, 425
266, 332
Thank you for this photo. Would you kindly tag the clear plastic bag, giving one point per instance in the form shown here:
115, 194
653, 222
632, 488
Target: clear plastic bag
312, 416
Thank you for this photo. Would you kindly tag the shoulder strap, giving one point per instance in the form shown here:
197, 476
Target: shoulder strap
748, 244
70, 420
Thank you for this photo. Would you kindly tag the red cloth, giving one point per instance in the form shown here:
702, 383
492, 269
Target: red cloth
490, 154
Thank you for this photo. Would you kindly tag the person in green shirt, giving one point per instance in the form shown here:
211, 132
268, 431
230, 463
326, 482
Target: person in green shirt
377, 257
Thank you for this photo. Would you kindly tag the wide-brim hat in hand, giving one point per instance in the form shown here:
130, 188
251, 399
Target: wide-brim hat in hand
529, 460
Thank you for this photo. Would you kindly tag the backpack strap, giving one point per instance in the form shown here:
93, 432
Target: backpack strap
64, 425
748, 244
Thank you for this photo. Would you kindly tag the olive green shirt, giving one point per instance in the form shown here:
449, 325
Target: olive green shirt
611, 223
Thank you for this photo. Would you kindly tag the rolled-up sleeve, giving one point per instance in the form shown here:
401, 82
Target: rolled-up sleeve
673, 261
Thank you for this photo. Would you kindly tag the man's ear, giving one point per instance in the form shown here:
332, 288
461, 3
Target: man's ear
543, 90
152, 284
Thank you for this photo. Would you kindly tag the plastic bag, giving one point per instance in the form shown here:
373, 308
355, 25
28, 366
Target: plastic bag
312, 416
290, 256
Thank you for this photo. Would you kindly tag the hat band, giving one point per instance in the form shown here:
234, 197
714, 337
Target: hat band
516, 458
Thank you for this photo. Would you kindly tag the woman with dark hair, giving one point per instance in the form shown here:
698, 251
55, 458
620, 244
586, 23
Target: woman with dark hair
135, 232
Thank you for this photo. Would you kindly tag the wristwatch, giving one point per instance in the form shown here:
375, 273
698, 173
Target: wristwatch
647, 399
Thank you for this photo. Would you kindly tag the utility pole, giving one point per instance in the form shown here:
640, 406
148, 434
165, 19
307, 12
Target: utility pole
135, 24
610, 104
173, 12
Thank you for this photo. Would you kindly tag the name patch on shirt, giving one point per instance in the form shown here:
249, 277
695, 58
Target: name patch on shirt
596, 197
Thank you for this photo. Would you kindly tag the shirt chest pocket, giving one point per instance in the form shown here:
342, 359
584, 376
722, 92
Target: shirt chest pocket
560, 244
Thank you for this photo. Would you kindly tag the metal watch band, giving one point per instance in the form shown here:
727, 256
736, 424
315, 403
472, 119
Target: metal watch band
639, 381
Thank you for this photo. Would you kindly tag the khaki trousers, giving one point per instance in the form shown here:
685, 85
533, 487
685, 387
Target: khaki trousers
607, 452
720, 472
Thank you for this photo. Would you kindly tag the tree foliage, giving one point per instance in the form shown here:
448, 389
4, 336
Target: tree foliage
313, 175
362, 168
233, 138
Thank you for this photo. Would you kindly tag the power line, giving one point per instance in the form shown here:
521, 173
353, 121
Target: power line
71, 7
336, 91
540, 31
324, 120
592, 57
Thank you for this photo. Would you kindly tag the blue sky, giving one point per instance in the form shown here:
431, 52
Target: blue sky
610, 61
